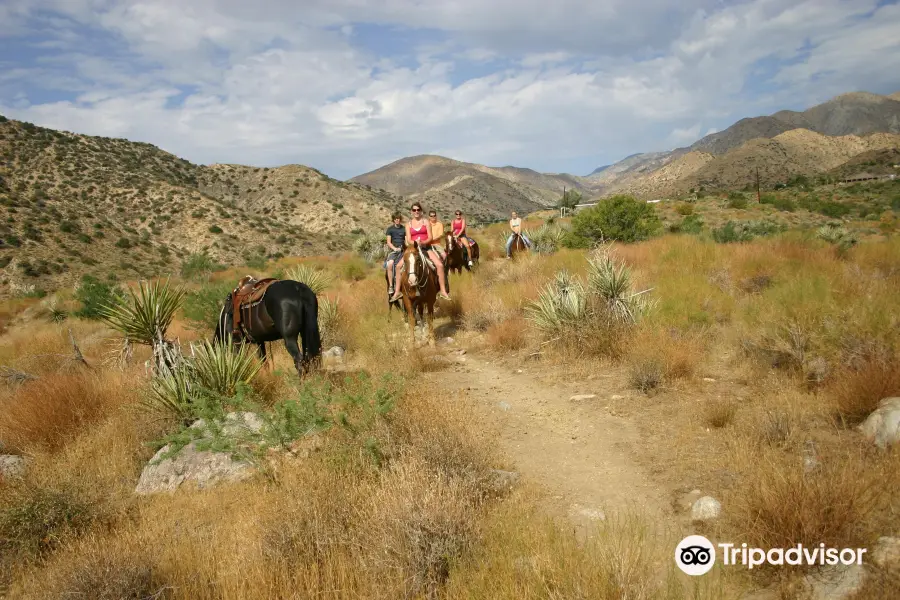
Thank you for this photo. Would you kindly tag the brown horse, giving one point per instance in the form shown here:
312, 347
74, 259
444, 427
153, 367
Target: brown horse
456, 255
419, 284
518, 245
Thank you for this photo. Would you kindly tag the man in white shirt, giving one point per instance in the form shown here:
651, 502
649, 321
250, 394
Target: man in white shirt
515, 223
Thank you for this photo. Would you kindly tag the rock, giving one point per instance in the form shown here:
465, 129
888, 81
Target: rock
582, 397
593, 514
201, 467
810, 457
883, 426
616, 397
503, 481
12, 465
334, 352
835, 583
709, 379
446, 341
307, 445
886, 553
685, 502
204, 468
504, 405
706, 508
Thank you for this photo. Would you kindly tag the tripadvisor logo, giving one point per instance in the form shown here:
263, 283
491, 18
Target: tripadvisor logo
696, 555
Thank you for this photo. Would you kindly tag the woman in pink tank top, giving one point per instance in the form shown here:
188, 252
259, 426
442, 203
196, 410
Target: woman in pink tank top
419, 230
458, 226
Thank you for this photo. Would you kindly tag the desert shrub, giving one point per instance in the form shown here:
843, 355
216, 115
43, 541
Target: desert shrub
546, 239
691, 224
354, 270
835, 234
684, 209
744, 231
215, 229
856, 392
737, 200
329, 321
621, 218
34, 520
203, 306
94, 294
199, 264
834, 210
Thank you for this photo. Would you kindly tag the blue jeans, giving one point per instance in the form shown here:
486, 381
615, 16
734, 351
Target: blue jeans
510, 241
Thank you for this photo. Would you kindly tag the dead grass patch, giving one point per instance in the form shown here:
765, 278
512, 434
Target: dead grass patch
719, 413
47, 413
510, 334
855, 393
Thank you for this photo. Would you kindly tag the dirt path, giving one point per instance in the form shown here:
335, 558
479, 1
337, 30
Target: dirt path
583, 456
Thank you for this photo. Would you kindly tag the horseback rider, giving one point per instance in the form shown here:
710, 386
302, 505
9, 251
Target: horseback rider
419, 230
396, 237
515, 224
458, 228
437, 233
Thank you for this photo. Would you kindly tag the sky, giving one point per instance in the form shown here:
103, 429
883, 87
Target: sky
347, 86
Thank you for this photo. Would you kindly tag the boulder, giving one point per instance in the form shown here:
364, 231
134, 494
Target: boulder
11, 465
334, 352
502, 481
706, 508
202, 468
886, 554
883, 426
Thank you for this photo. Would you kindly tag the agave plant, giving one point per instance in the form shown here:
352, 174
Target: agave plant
611, 283
219, 367
145, 318
562, 304
318, 280
546, 238
371, 246
837, 235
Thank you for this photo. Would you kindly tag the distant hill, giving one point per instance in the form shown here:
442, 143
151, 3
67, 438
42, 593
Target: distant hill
835, 131
483, 193
75, 204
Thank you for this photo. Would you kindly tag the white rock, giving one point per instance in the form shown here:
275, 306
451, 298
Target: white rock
835, 583
446, 341
886, 553
334, 352
883, 426
11, 465
616, 397
503, 481
706, 508
582, 397
504, 405
203, 468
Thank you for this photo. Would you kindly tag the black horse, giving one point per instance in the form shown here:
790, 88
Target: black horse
289, 309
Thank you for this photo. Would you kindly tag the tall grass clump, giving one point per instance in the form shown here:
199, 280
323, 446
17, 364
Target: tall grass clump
318, 280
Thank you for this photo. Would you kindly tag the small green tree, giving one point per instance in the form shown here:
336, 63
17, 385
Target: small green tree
622, 218
569, 199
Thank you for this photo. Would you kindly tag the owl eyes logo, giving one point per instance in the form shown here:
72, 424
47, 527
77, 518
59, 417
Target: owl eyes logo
695, 555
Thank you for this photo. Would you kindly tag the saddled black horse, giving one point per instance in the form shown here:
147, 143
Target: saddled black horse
288, 310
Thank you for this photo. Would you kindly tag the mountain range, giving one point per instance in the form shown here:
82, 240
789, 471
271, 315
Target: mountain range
781, 145
73, 204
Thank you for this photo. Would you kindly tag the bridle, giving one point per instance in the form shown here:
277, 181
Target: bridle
417, 268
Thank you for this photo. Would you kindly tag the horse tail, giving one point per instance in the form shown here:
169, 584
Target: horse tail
311, 337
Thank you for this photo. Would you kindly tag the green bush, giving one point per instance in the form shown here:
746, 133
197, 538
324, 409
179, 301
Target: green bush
692, 224
202, 307
215, 229
622, 218
833, 209
93, 294
199, 264
737, 200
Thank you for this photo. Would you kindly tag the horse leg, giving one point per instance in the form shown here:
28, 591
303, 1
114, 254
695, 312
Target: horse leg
293, 348
261, 350
411, 314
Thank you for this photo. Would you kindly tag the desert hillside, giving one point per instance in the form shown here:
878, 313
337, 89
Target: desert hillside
796, 152
483, 193
856, 114
75, 204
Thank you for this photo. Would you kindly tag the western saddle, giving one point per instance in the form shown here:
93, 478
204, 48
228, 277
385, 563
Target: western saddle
248, 293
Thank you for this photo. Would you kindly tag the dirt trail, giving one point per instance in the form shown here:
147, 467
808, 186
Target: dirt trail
582, 455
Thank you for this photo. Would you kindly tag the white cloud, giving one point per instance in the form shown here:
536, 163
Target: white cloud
551, 85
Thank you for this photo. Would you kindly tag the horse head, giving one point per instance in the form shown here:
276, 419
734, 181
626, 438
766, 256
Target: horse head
451, 243
415, 266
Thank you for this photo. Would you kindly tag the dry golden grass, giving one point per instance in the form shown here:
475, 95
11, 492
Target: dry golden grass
857, 392
47, 413
510, 334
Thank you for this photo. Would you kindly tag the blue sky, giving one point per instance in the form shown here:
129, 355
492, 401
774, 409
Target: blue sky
349, 85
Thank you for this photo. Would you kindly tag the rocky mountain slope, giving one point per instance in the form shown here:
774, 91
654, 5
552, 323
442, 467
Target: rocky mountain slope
483, 193
74, 204
784, 144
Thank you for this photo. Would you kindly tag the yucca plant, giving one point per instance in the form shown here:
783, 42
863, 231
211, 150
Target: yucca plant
329, 311
171, 393
546, 239
219, 367
318, 280
611, 283
145, 318
562, 304
837, 235
371, 246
